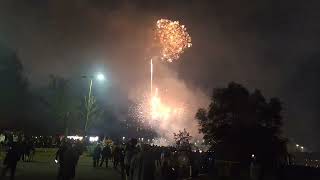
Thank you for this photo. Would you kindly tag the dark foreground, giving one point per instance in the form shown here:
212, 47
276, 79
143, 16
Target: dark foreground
44, 168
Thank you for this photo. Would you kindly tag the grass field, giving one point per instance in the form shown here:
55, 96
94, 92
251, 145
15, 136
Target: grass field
44, 168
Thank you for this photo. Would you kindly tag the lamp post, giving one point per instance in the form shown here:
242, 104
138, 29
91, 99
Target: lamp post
90, 99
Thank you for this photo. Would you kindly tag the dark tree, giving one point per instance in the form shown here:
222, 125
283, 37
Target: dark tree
61, 102
182, 139
14, 90
238, 124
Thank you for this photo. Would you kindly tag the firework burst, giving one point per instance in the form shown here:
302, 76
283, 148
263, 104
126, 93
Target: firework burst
173, 39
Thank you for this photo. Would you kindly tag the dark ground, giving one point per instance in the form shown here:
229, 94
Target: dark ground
44, 168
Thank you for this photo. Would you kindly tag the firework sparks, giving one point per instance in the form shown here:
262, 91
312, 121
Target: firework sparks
154, 112
173, 39
159, 110
168, 113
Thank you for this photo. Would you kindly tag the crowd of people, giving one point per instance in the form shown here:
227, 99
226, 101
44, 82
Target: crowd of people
133, 160
137, 161
38, 141
16, 150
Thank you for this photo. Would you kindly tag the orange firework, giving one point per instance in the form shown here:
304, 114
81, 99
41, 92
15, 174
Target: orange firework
173, 39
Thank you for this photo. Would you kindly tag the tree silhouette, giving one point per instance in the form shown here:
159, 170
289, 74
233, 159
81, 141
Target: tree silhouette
182, 139
60, 102
14, 89
238, 123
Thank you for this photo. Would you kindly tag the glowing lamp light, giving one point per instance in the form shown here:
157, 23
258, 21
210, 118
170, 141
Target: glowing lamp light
93, 138
75, 137
100, 77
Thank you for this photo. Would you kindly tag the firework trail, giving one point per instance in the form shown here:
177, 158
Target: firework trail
151, 78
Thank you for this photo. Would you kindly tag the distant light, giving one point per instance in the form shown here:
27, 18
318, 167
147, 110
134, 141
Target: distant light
297, 145
301, 147
93, 138
100, 77
141, 139
252, 155
75, 137
123, 138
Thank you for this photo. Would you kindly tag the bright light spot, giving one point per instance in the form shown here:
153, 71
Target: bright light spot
301, 147
123, 138
75, 137
100, 77
297, 145
93, 139
252, 155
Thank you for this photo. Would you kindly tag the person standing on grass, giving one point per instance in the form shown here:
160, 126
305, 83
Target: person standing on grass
96, 155
67, 157
105, 155
130, 152
60, 158
116, 156
11, 160
71, 160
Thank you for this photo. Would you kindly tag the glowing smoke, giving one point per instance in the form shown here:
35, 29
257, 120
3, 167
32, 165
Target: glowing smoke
177, 102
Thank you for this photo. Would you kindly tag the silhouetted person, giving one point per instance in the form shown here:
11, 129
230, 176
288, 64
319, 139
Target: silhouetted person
116, 156
60, 158
23, 150
147, 163
71, 159
28, 151
105, 155
67, 157
195, 158
96, 155
130, 151
79, 148
11, 160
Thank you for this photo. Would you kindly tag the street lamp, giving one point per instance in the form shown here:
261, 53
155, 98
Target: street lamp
90, 99
100, 77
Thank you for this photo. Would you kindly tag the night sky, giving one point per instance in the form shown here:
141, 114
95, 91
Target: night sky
271, 45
